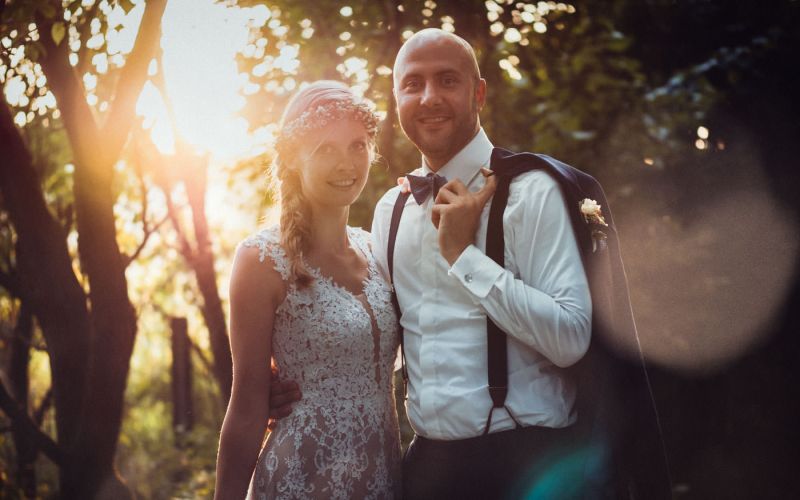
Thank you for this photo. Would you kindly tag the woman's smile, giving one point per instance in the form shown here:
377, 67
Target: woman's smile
343, 183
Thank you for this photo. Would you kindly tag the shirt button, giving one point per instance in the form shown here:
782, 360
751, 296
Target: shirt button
468, 277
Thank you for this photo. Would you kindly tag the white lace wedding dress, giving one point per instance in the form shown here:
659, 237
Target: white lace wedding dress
342, 439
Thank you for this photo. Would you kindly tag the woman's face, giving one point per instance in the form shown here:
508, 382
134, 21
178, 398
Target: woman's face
334, 163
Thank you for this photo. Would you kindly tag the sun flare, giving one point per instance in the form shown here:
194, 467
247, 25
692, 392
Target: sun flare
204, 87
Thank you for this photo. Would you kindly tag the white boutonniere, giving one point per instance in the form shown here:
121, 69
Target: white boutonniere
405, 187
402, 181
592, 214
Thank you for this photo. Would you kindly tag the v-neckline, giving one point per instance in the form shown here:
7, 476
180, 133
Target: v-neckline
336, 285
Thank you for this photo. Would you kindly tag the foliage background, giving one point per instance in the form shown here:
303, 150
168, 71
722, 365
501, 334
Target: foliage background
686, 111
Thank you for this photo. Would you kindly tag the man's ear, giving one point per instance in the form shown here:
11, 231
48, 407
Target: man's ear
480, 93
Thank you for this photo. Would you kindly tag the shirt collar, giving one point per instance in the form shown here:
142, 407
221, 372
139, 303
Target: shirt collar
467, 162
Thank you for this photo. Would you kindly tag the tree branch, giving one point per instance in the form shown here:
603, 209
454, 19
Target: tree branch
133, 76
20, 418
66, 85
161, 84
148, 231
146, 228
66, 215
64, 81
30, 343
172, 213
47, 400
165, 179
194, 181
203, 358
83, 34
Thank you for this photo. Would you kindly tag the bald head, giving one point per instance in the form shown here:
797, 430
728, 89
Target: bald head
439, 94
434, 38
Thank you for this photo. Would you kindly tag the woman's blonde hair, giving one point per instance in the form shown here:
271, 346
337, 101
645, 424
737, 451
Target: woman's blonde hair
311, 108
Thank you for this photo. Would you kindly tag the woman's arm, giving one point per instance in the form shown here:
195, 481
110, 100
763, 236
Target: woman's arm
256, 290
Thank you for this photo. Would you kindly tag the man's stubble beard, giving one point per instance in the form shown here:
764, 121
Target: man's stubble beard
457, 141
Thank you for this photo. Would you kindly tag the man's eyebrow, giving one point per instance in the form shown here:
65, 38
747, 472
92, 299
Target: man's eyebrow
438, 74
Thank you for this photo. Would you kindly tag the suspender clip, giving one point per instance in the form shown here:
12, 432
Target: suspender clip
498, 394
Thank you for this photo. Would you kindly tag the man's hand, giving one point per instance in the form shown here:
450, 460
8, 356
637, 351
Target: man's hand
457, 213
281, 396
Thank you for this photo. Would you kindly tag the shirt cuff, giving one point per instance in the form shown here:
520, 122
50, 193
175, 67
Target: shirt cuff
476, 271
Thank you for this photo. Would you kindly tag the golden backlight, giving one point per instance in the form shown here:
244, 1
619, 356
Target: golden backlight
204, 86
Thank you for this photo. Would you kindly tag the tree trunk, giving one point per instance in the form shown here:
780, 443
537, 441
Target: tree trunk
95, 151
192, 169
18, 377
202, 262
47, 281
90, 352
182, 405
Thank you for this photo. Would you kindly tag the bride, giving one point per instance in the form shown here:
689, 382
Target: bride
308, 295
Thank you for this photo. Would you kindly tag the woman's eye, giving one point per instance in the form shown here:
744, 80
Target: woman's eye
359, 146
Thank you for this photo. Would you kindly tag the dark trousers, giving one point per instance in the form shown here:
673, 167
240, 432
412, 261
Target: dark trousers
529, 462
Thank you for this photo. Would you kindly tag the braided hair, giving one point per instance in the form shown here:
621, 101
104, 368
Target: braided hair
310, 109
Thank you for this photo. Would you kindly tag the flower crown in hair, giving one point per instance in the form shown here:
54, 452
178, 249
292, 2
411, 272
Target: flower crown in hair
323, 115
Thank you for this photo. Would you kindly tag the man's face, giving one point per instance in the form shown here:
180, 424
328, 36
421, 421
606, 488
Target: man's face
438, 98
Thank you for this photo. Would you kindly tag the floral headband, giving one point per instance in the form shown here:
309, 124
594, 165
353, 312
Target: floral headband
323, 115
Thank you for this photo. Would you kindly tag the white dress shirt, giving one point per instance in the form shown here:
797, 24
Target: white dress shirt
541, 299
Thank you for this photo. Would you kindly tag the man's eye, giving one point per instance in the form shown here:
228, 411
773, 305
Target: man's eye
448, 81
412, 85
359, 146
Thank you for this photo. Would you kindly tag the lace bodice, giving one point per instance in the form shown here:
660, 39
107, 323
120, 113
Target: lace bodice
342, 439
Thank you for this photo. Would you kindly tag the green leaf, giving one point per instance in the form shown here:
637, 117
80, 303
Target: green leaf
57, 31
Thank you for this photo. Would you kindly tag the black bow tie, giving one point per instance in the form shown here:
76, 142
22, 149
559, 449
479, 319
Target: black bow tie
421, 186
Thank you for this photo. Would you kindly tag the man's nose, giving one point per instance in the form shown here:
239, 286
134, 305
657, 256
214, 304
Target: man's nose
430, 96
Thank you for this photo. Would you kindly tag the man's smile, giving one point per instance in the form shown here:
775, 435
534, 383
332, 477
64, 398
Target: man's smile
433, 120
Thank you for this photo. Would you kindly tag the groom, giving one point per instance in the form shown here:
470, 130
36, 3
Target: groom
447, 286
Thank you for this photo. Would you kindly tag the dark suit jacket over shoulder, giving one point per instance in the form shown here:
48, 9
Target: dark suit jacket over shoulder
614, 400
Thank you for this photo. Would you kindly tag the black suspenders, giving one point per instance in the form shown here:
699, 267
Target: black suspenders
495, 337
399, 205
497, 356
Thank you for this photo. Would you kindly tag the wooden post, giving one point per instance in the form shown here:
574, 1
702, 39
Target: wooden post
182, 411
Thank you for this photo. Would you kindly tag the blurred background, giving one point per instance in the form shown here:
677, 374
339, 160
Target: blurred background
134, 142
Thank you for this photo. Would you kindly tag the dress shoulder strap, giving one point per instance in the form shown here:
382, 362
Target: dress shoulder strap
268, 243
